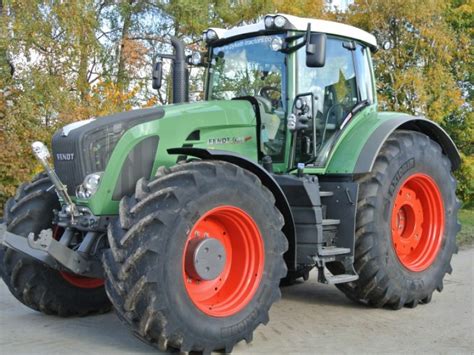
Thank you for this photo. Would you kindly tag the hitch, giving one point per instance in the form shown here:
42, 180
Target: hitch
47, 250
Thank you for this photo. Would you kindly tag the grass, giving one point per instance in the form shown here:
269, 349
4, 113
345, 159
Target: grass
466, 235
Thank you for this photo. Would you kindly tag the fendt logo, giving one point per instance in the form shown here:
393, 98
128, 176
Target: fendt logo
65, 156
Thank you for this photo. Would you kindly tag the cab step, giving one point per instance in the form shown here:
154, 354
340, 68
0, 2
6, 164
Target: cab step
326, 193
326, 277
331, 222
332, 251
340, 279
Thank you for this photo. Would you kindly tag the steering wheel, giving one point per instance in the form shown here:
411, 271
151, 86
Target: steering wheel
271, 93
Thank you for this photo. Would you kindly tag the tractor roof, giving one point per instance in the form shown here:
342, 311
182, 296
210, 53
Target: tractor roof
301, 24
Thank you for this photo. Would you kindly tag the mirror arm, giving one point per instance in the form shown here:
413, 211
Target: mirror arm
306, 37
166, 56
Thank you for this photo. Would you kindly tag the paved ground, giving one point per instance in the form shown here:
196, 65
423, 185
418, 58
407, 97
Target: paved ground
311, 318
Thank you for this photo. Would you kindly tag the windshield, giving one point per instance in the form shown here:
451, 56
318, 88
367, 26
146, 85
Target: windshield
248, 67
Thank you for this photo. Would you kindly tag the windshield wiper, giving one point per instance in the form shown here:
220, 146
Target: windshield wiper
356, 108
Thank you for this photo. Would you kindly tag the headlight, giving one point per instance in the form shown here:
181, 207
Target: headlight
277, 44
277, 22
209, 36
196, 58
268, 21
280, 21
89, 186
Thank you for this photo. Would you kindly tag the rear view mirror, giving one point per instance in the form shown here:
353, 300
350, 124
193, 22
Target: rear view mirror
157, 75
316, 50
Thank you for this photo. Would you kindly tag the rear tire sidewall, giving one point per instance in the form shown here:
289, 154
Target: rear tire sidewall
178, 298
409, 162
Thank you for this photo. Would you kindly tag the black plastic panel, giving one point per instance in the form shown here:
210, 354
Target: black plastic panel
138, 164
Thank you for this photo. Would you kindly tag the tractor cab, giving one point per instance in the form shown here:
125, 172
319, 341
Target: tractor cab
305, 77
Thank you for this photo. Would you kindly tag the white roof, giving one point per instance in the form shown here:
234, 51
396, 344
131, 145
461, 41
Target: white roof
300, 24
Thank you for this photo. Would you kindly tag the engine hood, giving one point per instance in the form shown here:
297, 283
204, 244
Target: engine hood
85, 147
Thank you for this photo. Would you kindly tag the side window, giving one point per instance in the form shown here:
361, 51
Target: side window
364, 72
335, 91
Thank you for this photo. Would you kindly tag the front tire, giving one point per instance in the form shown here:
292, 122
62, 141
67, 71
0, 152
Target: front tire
153, 276
34, 284
406, 224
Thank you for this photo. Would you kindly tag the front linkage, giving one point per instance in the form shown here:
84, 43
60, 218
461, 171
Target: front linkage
51, 246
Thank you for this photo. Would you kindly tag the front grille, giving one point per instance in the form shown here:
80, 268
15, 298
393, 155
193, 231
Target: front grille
87, 149
69, 171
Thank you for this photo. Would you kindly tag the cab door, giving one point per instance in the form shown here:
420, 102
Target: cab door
336, 89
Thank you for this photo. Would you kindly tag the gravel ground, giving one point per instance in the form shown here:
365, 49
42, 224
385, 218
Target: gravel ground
311, 318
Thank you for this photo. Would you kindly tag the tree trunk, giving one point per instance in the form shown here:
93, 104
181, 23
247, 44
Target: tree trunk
122, 80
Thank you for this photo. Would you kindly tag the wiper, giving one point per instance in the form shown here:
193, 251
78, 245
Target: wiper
356, 108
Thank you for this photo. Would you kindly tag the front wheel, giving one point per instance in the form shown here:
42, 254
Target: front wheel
34, 284
406, 224
196, 257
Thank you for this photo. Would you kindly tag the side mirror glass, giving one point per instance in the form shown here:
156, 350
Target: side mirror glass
316, 50
157, 75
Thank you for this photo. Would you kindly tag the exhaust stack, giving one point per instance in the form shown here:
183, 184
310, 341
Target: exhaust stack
180, 72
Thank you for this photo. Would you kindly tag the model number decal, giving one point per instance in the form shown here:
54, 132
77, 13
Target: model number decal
409, 164
228, 140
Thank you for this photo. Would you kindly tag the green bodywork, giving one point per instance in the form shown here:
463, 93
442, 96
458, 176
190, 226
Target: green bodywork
229, 125
214, 120
235, 122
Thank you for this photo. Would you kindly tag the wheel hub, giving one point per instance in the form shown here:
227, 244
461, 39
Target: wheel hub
223, 261
205, 259
417, 222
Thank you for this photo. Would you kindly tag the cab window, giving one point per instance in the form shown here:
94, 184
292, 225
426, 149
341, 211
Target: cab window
334, 88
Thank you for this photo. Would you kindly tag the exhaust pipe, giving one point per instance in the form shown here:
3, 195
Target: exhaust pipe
180, 72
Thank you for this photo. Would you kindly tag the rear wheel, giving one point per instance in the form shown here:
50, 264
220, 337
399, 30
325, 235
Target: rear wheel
34, 284
406, 224
196, 257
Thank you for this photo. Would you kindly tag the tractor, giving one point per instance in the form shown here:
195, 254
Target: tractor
187, 218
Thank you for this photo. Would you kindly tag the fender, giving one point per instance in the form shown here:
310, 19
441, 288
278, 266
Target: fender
268, 181
370, 150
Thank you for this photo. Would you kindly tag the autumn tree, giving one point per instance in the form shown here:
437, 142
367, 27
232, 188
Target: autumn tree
65, 61
427, 70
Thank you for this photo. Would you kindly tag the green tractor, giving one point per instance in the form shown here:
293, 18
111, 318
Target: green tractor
186, 218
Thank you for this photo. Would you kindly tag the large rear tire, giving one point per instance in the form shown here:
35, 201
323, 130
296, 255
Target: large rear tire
156, 278
35, 284
406, 224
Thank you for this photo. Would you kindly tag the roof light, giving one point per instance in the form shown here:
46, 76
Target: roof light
276, 44
269, 21
209, 35
280, 21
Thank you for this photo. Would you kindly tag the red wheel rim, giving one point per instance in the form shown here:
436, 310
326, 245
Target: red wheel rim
417, 222
80, 281
73, 279
242, 272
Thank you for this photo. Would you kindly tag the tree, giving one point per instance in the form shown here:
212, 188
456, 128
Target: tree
66, 61
428, 70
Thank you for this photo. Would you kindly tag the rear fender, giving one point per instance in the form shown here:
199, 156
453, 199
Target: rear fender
371, 148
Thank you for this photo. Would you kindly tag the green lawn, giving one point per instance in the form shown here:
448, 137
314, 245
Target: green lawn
466, 235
